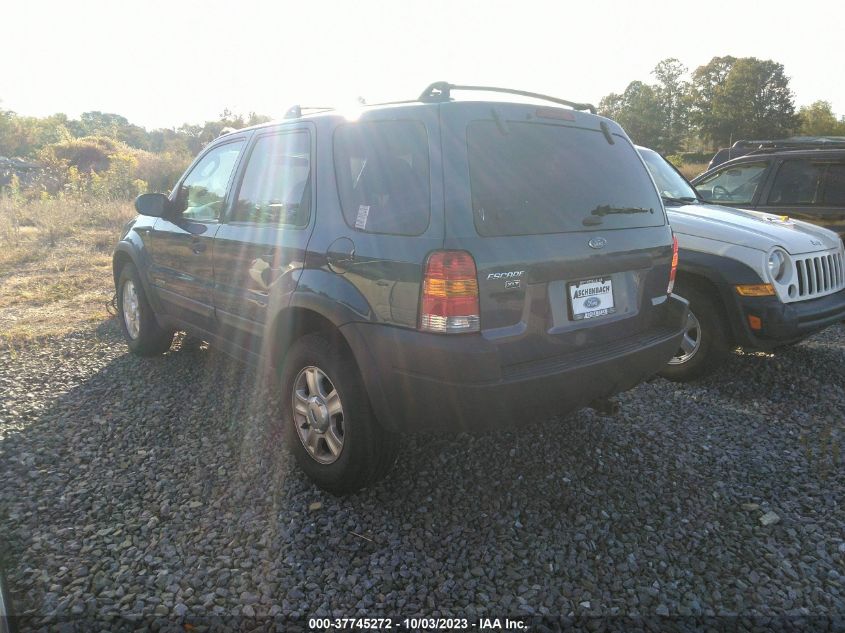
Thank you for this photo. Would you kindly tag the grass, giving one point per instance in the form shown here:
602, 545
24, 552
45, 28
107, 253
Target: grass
55, 264
691, 170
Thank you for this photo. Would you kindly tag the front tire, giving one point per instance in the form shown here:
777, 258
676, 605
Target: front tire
142, 332
704, 345
328, 422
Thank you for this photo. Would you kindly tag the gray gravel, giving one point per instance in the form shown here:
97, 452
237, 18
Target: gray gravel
153, 487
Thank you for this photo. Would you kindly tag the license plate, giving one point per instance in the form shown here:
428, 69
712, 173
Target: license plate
591, 298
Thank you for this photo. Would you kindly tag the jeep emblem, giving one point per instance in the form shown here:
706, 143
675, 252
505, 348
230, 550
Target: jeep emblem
597, 242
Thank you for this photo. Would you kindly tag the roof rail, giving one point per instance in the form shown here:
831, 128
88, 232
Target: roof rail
793, 141
442, 91
295, 111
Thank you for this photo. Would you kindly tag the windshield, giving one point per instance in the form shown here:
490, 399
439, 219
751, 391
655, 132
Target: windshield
531, 178
669, 182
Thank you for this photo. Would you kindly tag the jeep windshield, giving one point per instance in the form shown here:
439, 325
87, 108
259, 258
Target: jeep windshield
672, 186
534, 178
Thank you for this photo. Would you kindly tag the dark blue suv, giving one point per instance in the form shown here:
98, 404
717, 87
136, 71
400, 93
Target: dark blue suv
433, 264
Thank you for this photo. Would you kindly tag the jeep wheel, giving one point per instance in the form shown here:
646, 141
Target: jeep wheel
137, 321
327, 418
704, 344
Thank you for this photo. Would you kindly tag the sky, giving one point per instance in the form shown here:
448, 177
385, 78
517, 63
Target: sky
161, 64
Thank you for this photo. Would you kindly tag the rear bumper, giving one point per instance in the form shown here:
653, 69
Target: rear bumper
784, 323
419, 381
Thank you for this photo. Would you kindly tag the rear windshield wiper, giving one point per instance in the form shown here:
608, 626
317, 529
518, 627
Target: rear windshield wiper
595, 217
606, 209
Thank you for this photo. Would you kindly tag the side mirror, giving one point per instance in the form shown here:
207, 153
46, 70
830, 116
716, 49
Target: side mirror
156, 205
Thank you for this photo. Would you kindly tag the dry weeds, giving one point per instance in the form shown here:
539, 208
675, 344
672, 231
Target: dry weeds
691, 170
55, 265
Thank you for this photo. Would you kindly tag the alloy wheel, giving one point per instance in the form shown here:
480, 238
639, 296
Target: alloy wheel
318, 415
131, 309
690, 342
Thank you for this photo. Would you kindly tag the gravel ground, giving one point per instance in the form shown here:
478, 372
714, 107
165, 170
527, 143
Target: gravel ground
153, 487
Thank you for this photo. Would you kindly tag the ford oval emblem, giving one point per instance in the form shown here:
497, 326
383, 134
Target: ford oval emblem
597, 242
592, 302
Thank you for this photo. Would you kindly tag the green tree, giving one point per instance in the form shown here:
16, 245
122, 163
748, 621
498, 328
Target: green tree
706, 82
638, 111
672, 92
817, 119
656, 115
96, 123
734, 98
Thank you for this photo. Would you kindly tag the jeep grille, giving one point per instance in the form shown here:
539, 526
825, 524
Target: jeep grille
819, 275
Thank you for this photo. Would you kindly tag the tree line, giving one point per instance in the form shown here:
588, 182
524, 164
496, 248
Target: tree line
726, 99
101, 153
27, 136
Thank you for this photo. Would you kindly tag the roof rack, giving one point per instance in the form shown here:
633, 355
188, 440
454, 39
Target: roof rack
792, 142
442, 91
295, 111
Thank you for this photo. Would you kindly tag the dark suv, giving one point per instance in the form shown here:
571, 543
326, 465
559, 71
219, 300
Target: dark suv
431, 264
806, 184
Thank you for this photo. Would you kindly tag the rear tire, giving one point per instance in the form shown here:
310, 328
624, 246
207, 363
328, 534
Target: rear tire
142, 332
705, 345
327, 419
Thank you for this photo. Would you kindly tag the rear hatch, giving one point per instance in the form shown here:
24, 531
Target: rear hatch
568, 233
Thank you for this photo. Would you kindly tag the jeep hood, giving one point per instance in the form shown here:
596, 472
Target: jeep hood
752, 229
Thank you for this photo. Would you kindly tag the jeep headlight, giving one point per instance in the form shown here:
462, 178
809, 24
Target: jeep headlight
777, 264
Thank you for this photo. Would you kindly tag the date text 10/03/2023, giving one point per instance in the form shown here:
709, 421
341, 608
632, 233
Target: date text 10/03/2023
417, 624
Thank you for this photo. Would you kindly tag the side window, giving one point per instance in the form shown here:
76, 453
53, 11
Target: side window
834, 188
204, 189
797, 182
736, 184
382, 173
276, 187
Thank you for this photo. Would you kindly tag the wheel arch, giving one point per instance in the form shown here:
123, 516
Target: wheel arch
322, 302
718, 275
306, 316
120, 258
706, 285
125, 253
296, 321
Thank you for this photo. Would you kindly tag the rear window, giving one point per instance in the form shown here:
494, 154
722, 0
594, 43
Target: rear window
531, 178
382, 173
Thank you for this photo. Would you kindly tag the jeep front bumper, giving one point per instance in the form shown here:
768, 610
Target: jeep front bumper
784, 323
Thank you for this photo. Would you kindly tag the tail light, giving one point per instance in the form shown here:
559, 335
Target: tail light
449, 293
674, 270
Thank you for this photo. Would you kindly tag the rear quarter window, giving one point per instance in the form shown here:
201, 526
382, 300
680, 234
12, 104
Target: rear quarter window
533, 178
797, 182
834, 189
383, 178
